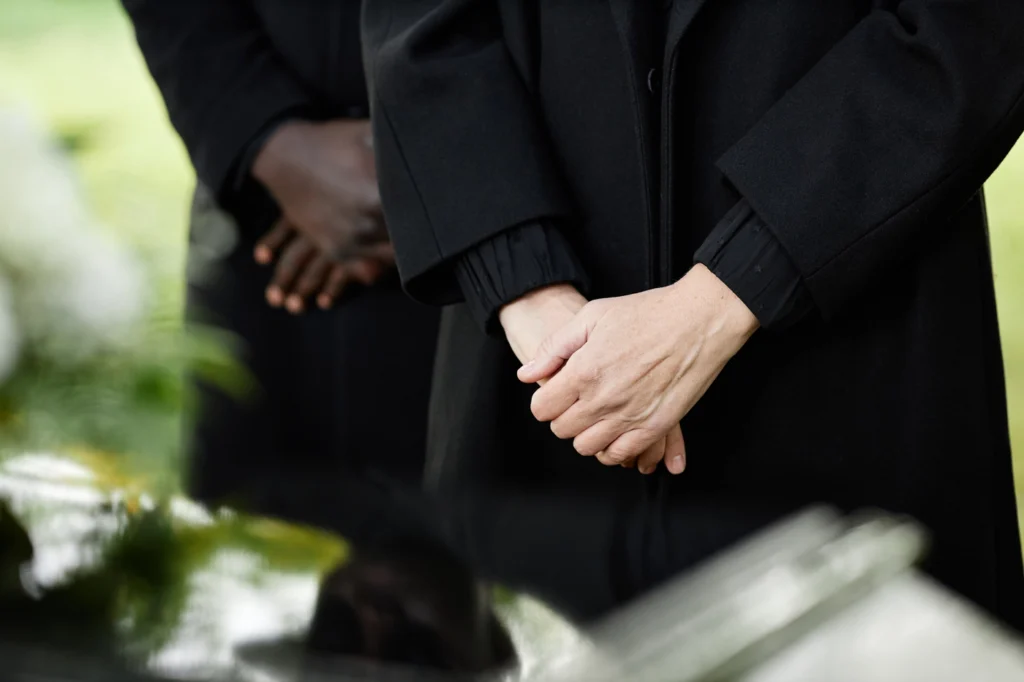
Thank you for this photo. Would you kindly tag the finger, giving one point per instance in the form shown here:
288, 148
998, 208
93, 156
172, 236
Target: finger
289, 265
598, 437
272, 242
551, 400
555, 351
627, 446
337, 279
352, 237
365, 271
647, 462
385, 254
373, 230
574, 421
675, 451
368, 270
309, 281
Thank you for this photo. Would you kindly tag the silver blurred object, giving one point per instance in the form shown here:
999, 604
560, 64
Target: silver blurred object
817, 598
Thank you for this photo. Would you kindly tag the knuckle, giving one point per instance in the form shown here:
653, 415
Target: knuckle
607, 396
590, 375
335, 251
616, 456
584, 447
538, 407
359, 228
625, 449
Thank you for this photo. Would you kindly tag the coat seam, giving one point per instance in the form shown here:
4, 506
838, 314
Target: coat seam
653, 230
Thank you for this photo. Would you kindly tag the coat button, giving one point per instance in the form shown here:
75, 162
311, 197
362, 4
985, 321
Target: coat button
653, 81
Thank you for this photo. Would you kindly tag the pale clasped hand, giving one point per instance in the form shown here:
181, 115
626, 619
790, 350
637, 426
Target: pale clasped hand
623, 372
532, 319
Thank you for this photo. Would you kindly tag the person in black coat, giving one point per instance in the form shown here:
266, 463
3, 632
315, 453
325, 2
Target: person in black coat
775, 213
270, 101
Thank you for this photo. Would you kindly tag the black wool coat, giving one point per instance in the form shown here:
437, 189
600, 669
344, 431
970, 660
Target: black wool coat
329, 383
860, 131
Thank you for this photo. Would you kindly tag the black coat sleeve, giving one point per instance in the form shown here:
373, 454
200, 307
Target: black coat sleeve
742, 252
895, 129
510, 265
461, 153
221, 79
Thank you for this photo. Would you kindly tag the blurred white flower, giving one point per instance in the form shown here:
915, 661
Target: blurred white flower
41, 208
94, 305
75, 290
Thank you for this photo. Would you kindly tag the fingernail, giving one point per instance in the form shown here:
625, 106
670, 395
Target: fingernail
275, 296
262, 255
528, 366
294, 304
324, 301
677, 465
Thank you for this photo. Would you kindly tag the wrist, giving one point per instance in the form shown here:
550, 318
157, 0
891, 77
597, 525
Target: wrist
274, 158
552, 298
727, 315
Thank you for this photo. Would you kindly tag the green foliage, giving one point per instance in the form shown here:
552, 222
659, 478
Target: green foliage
128, 402
76, 139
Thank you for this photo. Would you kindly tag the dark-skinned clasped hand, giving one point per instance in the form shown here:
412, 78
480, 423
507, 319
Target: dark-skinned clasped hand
624, 371
331, 232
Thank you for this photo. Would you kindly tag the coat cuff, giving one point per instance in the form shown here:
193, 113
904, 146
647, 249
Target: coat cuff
241, 174
224, 143
512, 264
743, 253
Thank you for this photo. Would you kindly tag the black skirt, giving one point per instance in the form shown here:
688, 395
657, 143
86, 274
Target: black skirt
337, 393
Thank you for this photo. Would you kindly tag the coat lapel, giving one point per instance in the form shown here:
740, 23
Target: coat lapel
636, 21
680, 19
634, 25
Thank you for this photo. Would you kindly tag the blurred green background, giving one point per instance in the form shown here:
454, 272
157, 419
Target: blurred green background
76, 63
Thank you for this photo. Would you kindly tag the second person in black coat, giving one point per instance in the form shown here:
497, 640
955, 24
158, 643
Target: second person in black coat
270, 101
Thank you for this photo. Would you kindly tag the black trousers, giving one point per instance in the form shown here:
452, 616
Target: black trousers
337, 393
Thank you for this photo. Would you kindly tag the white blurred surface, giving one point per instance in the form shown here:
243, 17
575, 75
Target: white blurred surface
910, 630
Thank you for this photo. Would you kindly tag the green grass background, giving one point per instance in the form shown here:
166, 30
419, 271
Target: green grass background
75, 62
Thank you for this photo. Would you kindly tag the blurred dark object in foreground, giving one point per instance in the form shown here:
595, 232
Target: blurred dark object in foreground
409, 602
109, 582
817, 597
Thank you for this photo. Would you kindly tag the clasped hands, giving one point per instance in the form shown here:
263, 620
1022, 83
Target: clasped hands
331, 233
617, 375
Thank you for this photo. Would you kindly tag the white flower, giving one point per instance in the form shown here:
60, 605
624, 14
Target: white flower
102, 300
41, 208
76, 291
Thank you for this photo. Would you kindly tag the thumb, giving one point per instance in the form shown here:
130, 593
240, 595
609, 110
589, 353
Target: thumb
555, 351
675, 451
